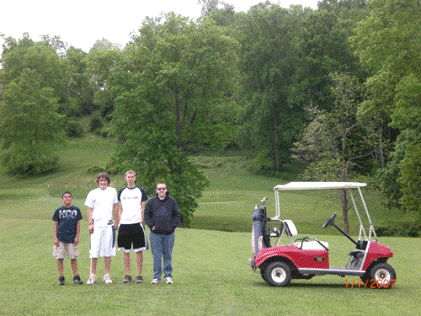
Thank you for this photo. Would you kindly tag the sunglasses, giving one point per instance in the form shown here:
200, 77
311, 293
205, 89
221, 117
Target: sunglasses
161, 189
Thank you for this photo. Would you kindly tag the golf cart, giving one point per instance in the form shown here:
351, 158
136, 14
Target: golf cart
306, 257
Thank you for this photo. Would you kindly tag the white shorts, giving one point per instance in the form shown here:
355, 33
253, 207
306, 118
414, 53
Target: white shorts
103, 242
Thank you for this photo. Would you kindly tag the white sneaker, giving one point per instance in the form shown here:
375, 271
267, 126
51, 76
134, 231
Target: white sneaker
155, 281
92, 279
106, 279
168, 280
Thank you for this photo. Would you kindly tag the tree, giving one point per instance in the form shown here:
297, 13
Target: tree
180, 82
334, 141
103, 71
80, 90
105, 44
30, 127
388, 42
194, 66
39, 57
150, 148
271, 122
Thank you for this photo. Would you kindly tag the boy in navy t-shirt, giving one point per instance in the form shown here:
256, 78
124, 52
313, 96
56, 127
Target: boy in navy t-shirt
66, 236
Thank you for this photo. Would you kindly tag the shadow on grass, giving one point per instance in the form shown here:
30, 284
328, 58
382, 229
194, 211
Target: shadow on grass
301, 285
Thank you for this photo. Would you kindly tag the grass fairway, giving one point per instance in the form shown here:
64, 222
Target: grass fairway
211, 273
211, 277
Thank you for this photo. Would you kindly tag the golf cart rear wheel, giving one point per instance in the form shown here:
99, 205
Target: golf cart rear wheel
383, 275
278, 273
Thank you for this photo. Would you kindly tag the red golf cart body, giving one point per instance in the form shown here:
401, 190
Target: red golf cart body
306, 257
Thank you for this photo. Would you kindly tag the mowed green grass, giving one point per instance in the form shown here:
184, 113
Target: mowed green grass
211, 273
211, 277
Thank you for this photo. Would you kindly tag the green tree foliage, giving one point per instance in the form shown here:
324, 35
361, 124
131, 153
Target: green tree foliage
388, 43
323, 47
150, 148
177, 99
221, 12
103, 70
268, 61
194, 66
80, 90
334, 141
33, 82
30, 127
27, 54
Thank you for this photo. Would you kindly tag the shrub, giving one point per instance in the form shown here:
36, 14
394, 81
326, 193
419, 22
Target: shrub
74, 129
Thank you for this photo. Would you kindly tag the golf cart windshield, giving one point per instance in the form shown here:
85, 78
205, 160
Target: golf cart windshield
294, 186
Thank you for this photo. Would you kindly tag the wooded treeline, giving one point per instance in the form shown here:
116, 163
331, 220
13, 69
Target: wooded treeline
337, 90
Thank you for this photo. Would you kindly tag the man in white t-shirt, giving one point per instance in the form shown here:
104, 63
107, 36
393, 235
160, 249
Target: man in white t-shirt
131, 231
102, 203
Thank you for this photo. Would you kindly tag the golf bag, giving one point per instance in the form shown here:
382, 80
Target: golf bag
259, 236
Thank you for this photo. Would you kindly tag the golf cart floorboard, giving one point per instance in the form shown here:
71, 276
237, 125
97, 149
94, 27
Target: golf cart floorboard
335, 271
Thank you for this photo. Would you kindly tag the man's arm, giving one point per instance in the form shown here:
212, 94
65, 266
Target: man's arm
116, 210
147, 215
176, 215
143, 204
56, 241
90, 220
77, 233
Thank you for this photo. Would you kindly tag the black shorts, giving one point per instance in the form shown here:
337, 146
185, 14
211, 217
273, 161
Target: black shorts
132, 234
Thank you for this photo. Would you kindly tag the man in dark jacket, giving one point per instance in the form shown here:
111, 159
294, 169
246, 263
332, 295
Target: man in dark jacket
162, 216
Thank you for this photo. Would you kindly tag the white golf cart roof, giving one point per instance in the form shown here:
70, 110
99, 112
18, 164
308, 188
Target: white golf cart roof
319, 185
328, 186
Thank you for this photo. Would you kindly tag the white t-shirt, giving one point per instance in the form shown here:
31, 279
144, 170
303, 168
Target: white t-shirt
131, 203
102, 202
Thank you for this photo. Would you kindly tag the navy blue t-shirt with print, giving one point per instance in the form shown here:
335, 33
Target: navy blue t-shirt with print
67, 219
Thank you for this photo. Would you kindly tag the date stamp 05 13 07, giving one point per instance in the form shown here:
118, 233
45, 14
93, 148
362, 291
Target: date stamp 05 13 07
372, 284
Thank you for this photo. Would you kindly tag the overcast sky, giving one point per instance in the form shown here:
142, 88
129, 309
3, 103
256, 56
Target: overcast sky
82, 22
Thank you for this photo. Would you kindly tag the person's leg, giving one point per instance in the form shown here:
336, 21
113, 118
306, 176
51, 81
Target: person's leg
73, 253
156, 247
107, 263
167, 245
60, 267
94, 247
94, 262
126, 260
74, 266
139, 260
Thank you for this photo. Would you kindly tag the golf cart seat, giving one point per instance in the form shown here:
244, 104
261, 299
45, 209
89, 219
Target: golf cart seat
306, 243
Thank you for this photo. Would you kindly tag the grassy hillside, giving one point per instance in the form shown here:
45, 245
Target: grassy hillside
211, 273
226, 204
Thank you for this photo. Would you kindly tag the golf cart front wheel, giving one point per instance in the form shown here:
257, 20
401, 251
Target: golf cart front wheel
278, 273
383, 275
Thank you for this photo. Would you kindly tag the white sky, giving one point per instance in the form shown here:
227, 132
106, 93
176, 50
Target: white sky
82, 22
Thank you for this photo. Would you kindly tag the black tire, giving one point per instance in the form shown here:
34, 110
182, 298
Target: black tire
263, 273
278, 273
383, 276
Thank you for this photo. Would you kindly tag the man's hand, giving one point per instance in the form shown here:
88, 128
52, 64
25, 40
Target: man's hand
91, 228
56, 242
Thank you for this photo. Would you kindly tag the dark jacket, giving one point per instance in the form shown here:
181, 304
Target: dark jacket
162, 214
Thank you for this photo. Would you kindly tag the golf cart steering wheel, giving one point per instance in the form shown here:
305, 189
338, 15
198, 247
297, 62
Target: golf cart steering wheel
330, 221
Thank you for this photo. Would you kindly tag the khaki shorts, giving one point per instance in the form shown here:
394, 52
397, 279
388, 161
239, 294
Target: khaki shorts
63, 248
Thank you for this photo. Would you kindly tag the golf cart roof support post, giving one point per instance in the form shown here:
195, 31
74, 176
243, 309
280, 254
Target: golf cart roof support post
277, 206
359, 217
368, 216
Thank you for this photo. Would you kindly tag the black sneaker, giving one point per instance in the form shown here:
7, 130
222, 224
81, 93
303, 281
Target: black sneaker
77, 280
61, 280
139, 279
127, 279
